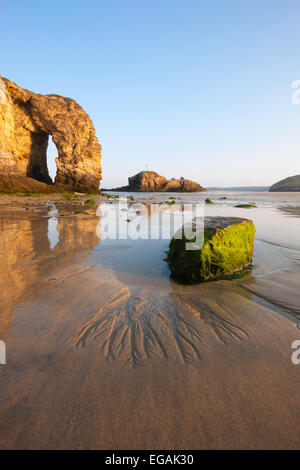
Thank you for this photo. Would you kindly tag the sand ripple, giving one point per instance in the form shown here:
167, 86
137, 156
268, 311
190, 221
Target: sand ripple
138, 324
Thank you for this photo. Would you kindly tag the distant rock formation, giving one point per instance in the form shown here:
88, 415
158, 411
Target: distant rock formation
26, 121
288, 184
149, 181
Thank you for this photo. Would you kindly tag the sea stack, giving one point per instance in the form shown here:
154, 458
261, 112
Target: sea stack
150, 181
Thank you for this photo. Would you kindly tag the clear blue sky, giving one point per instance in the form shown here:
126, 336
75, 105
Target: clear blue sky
200, 89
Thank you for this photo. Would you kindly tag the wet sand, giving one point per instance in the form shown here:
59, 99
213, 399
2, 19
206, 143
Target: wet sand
105, 351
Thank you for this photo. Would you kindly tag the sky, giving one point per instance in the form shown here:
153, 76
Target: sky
193, 88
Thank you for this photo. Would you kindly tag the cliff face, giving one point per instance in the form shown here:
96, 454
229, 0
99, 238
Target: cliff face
26, 121
289, 184
149, 181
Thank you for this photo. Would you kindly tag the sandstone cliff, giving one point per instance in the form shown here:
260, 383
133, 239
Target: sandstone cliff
149, 181
26, 121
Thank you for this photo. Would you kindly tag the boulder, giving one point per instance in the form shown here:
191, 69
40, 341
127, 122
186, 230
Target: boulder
225, 250
26, 121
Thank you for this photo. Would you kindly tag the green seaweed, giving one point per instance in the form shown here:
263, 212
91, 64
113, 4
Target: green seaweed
168, 203
68, 195
111, 196
226, 253
91, 202
29, 193
24, 193
81, 213
246, 206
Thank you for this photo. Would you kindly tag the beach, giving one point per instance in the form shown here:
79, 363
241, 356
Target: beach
106, 351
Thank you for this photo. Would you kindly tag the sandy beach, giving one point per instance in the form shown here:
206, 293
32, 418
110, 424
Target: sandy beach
106, 351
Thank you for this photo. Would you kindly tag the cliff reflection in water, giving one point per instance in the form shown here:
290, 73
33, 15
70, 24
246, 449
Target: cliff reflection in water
27, 255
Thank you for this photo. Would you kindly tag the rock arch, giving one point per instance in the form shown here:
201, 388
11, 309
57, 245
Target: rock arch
26, 121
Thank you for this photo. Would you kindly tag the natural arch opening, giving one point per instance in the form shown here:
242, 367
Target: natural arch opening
43, 152
52, 154
37, 163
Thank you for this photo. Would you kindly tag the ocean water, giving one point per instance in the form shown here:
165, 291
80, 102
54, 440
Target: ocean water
276, 218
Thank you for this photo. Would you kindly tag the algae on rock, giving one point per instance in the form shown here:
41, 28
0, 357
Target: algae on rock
226, 252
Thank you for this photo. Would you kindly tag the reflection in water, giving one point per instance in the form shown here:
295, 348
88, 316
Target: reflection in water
144, 319
53, 233
30, 247
148, 316
16, 247
144, 221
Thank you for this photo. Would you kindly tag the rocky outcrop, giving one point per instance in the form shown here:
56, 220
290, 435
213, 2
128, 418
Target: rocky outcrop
149, 181
26, 121
288, 184
211, 249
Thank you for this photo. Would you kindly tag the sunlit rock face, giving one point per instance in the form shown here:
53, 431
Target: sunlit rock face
150, 181
26, 121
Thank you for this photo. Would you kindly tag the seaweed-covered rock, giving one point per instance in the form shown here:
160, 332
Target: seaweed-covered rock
225, 249
246, 206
